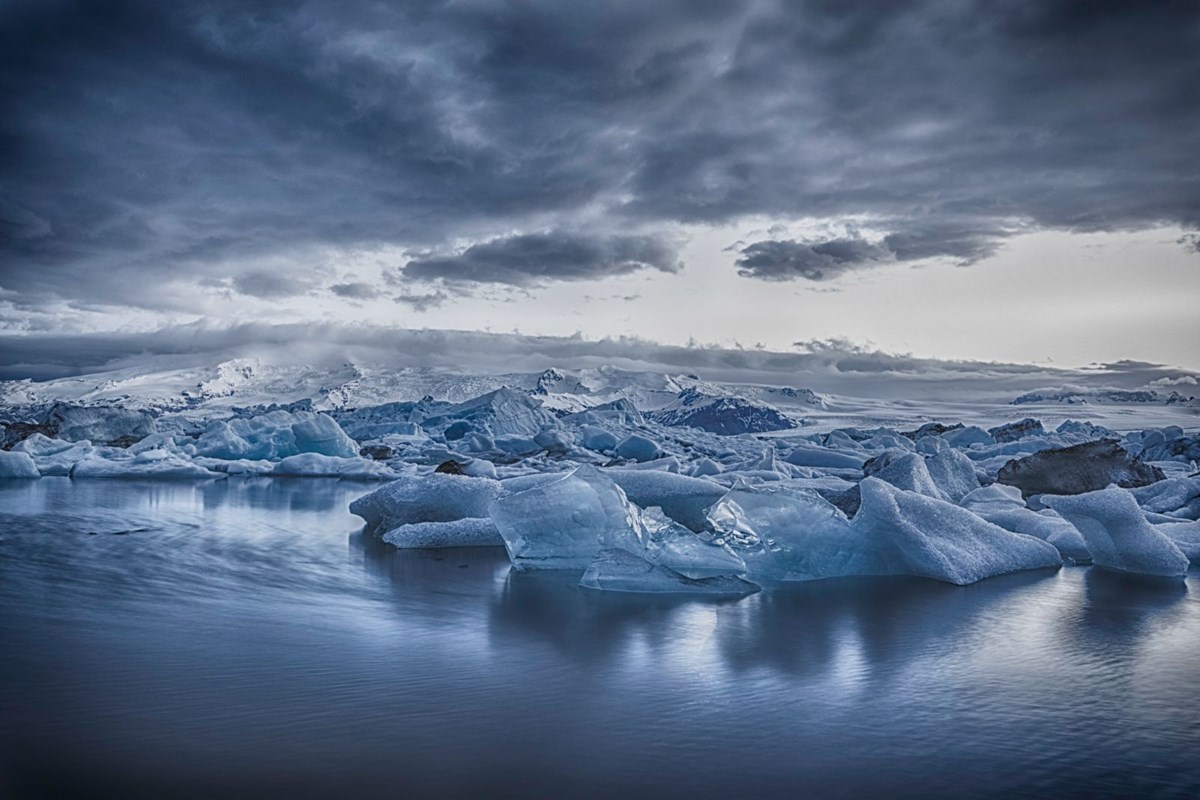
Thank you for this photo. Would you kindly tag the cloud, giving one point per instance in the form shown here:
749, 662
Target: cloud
146, 143
1190, 242
355, 290
268, 285
785, 259
530, 259
775, 260
422, 302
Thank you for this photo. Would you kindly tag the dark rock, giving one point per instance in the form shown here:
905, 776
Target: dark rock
451, 467
128, 440
17, 432
457, 430
1013, 431
378, 452
1081, 468
930, 429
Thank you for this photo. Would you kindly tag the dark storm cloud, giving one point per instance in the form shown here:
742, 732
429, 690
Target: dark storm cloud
785, 259
775, 260
422, 302
144, 142
529, 259
356, 290
268, 285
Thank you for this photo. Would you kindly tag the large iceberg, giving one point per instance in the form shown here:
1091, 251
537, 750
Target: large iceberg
1003, 505
1118, 535
564, 523
906, 533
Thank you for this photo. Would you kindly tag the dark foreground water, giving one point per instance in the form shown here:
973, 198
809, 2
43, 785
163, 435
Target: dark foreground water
236, 639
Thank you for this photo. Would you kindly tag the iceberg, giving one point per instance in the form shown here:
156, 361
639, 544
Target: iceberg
682, 498
564, 523
275, 435
465, 532
638, 448
1002, 505
426, 498
18, 465
316, 465
1118, 535
147, 464
906, 533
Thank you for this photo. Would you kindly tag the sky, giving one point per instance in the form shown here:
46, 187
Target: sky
1010, 181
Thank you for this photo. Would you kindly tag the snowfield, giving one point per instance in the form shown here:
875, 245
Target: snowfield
655, 483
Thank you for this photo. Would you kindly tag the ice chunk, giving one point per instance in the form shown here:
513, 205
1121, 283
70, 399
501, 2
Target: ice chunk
18, 465
426, 498
682, 498
904, 470
638, 448
275, 435
667, 543
98, 424
1076, 469
782, 533
953, 473
564, 523
906, 533
965, 437
597, 439
1117, 534
504, 412
616, 570
466, 532
147, 464
317, 465
1186, 536
706, 466
812, 455
1165, 496
1047, 525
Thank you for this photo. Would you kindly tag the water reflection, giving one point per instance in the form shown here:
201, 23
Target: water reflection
246, 636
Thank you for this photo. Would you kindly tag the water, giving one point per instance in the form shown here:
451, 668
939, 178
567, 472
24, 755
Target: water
242, 639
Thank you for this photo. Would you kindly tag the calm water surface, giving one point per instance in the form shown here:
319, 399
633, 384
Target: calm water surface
234, 638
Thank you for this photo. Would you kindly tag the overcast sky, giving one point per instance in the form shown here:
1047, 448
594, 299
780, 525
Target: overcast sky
1011, 181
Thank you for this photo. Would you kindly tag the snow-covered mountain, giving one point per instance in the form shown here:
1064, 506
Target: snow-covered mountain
1103, 396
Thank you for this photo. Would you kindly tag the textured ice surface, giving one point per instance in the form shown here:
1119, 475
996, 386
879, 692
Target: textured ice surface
18, 465
97, 424
781, 532
427, 498
564, 523
682, 498
147, 464
1167, 496
665, 542
466, 532
638, 448
275, 435
1117, 533
317, 465
812, 455
953, 474
598, 439
617, 570
907, 533
904, 470
1002, 505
